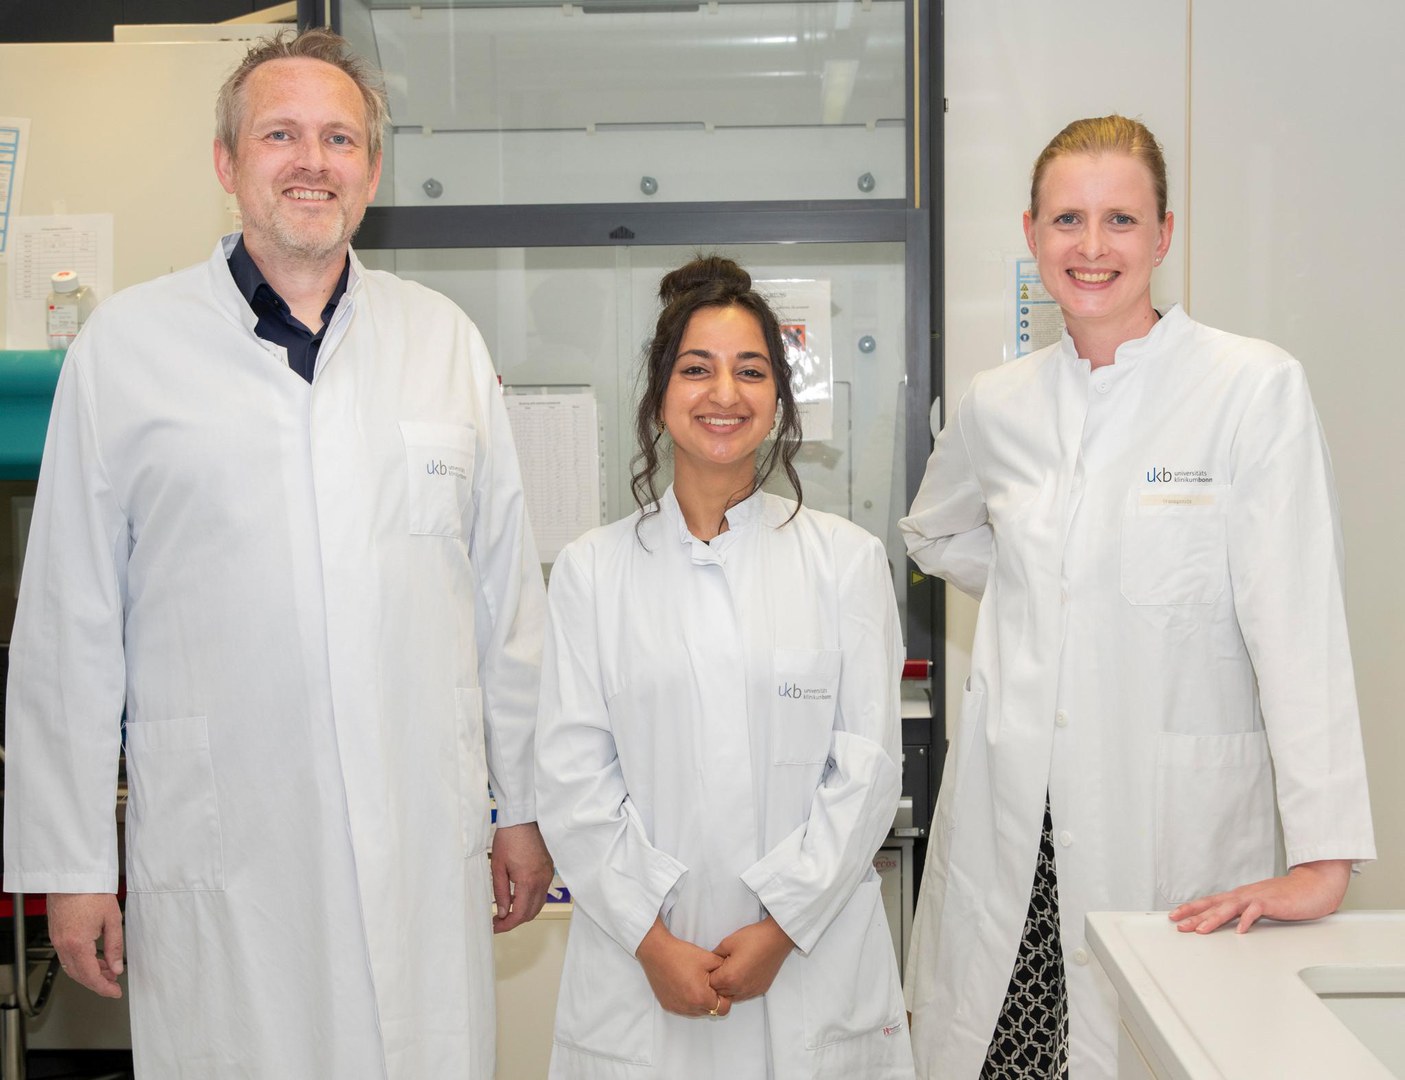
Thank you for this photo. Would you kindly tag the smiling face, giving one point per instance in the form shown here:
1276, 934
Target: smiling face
720, 401
300, 167
1097, 237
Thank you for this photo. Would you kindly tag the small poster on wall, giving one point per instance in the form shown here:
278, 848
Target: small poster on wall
14, 149
804, 312
1034, 318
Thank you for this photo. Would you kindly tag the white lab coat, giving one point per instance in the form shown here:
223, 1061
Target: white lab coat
719, 737
314, 601
1161, 635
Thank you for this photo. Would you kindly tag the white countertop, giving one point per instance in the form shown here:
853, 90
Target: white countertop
1236, 1006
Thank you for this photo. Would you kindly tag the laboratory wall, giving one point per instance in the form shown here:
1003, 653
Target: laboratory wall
1285, 169
125, 130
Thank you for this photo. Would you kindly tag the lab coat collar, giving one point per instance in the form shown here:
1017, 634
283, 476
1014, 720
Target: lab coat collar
231, 300
223, 287
746, 512
743, 514
1173, 323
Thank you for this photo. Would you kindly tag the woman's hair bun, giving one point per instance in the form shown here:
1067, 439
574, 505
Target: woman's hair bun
706, 270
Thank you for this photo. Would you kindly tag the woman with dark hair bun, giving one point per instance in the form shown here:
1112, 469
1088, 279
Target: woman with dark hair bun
710, 282
718, 747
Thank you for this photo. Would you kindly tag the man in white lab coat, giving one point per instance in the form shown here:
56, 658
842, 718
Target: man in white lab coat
280, 523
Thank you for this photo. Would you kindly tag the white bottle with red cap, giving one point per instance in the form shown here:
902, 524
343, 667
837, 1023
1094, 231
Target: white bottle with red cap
70, 304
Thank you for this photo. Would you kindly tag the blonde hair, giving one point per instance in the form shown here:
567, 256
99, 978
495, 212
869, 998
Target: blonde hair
318, 43
1104, 135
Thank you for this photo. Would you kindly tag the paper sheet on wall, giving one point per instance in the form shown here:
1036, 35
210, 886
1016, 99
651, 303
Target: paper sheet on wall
803, 310
39, 246
1035, 319
558, 447
14, 150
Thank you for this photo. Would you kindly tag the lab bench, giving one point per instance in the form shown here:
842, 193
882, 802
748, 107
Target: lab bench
1319, 999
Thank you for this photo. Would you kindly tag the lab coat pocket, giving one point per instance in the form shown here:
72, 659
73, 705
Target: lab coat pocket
848, 982
1215, 820
807, 692
439, 463
173, 822
474, 815
606, 1006
1175, 544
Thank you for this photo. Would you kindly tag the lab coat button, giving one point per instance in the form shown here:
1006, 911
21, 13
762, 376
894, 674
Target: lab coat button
1080, 957
1061, 719
1104, 386
1066, 838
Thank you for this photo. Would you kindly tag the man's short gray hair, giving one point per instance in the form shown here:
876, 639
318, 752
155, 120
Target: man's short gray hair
315, 44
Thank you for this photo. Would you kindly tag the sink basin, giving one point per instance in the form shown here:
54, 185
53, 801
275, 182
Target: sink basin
1370, 1000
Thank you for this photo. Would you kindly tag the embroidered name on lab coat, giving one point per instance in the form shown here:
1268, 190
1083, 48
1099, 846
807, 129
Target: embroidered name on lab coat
1175, 498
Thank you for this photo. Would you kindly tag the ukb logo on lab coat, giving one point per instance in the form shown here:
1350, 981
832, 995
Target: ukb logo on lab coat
804, 693
807, 681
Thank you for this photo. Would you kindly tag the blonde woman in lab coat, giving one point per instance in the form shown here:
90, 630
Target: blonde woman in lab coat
718, 755
1146, 511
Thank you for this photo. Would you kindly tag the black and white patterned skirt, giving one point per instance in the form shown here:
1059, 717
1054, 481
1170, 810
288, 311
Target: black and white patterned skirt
1031, 1036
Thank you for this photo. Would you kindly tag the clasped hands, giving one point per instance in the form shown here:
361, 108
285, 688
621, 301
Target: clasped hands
691, 981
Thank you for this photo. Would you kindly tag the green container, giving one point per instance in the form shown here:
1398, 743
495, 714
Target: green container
27, 381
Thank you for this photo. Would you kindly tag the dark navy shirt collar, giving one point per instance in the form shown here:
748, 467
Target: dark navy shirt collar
249, 278
276, 322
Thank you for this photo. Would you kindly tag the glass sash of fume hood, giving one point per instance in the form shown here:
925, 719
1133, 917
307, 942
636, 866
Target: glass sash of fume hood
521, 103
